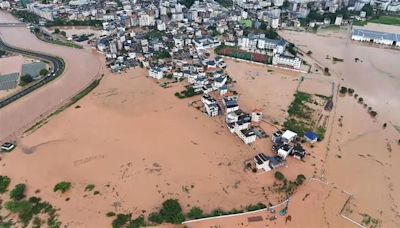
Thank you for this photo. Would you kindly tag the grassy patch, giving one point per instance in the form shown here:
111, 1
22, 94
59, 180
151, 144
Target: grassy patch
62, 187
187, 93
89, 187
65, 43
387, 20
360, 23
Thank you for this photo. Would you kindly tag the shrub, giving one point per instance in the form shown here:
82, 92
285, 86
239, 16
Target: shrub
62, 187
156, 218
373, 113
254, 170
43, 72
217, 212
255, 207
350, 91
121, 220
384, 125
56, 31
63, 33
26, 79
360, 100
89, 187
195, 213
23, 208
300, 179
4, 183
110, 214
137, 223
343, 90
279, 176
18, 192
172, 212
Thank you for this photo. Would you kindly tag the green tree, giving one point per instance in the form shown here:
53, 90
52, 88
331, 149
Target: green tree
63, 33
4, 183
279, 176
121, 220
195, 213
18, 192
369, 10
172, 212
300, 179
62, 186
156, 218
26, 79
43, 72
57, 31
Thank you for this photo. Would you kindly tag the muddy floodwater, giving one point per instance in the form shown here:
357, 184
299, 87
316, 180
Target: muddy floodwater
82, 66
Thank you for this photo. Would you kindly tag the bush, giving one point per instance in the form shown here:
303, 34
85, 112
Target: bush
89, 187
350, 91
300, 179
18, 192
63, 33
195, 213
360, 100
43, 72
110, 214
373, 113
62, 187
121, 220
26, 79
56, 31
255, 207
343, 90
4, 183
156, 218
279, 176
218, 212
171, 211
23, 208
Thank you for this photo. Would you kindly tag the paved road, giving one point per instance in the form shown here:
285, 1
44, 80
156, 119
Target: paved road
12, 24
58, 68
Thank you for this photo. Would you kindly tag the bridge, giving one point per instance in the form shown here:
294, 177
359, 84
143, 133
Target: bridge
12, 25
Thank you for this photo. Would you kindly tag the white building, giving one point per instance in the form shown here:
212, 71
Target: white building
338, 20
394, 7
256, 115
4, 5
288, 136
156, 73
294, 62
384, 38
247, 135
42, 10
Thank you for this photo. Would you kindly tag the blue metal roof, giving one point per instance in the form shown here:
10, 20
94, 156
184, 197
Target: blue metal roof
376, 35
311, 135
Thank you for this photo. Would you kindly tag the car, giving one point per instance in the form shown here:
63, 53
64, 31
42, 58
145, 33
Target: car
7, 147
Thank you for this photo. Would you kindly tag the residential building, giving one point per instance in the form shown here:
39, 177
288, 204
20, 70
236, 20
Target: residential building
286, 60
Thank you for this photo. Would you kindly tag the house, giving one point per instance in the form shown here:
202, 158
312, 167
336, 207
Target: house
156, 73
298, 152
288, 136
268, 163
247, 135
286, 60
311, 137
262, 162
284, 150
223, 90
210, 105
231, 105
256, 115
219, 82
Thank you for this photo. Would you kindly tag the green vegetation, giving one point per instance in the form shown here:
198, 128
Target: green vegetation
65, 43
156, 218
125, 220
86, 91
18, 193
43, 72
289, 187
89, 187
187, 3
225, 3
56, 31
300, 116
246, 23
26, 79
154, 33
4, 183
387, 20
163, 54
171, 212
360, 23
61, 22
256, 207
195, 213
271, 33
279, 176
300, 179
187, 93
26, 16
110, 214
62, 187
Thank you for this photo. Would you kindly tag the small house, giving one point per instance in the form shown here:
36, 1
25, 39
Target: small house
311, 137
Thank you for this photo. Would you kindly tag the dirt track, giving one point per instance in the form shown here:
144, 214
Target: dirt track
82, 66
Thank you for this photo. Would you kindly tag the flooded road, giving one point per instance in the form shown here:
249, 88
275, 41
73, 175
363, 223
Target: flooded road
82, 66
